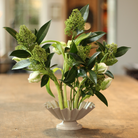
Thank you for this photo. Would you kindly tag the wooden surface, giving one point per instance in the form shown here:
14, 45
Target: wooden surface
22, 112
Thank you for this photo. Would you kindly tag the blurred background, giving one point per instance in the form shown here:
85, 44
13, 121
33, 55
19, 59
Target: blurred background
118, 18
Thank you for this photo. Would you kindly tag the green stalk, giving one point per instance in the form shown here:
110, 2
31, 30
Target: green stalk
65, 96
60, 99
78, 93
59, 90
65, 68
71, 99
86, 97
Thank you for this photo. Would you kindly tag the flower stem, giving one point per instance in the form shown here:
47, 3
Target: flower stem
59, 93
78, 94
65, 68
59, 90
71, 99
65, 97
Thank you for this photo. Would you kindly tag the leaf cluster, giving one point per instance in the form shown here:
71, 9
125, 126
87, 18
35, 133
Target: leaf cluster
110, 52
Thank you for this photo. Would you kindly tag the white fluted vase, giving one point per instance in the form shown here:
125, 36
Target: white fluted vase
69, 117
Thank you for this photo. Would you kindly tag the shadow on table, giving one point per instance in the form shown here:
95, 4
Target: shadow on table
83, 133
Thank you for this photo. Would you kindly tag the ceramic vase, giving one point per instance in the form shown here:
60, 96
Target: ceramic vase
69, 117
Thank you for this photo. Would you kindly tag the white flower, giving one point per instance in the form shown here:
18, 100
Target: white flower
34, 77
69, 43
102, 68
106, 83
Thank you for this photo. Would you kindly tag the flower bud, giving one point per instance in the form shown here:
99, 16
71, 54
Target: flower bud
16, 59
106, 83
34, 77
56, 51
69, 43
102, 68
59, 49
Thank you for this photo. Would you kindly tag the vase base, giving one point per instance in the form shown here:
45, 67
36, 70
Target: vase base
64, 125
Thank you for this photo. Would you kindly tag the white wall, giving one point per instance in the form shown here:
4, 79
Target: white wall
127, 33
5, 18
56, 31
2, 31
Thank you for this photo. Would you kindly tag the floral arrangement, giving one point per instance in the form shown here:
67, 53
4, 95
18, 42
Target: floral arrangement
86, 75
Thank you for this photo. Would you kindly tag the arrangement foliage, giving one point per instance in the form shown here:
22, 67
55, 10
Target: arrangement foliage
85, 75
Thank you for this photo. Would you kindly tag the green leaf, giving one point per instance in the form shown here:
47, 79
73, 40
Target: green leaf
121, 51
104, 43
48, 88
35, 32
93, 76
95, 37
85, 12
67, 49
50, 56
92, 59
46, 47
84, 42
20, 54
11, 31
103, 57
54, 65
71, 75
21, 64
81, 37
109, 74
77, 63
101, 97
76, 57
82, 72
102, 47
44, 80
42, 32
47, 63
73, 48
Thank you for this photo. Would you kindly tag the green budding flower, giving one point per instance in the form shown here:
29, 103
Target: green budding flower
74, 23
39, 54
111, 50
83, 51
25, 37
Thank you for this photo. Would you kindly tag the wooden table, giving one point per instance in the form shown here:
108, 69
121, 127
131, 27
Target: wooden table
22, 112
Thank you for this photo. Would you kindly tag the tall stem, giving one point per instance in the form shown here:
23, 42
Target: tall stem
78, 93
59, 93
71, 99
65, 96
59, 90
65, 91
